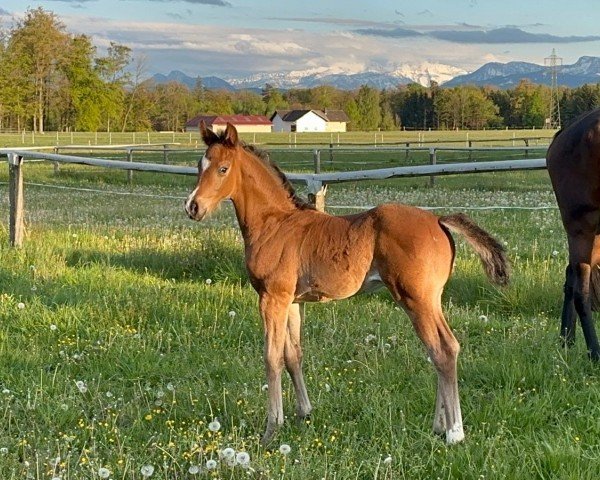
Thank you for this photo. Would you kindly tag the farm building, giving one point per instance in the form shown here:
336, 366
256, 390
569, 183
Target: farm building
309, 121
243, 123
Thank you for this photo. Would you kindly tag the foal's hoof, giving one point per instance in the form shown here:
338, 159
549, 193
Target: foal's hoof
455, 435
594, 355
267, 436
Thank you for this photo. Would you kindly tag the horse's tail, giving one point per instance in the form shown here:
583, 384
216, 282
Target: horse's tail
490, 251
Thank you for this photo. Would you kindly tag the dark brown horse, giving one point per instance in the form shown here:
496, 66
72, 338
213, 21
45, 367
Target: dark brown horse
295, 254
573, 161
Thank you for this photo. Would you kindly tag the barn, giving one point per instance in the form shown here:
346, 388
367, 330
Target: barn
243, 123
309, 121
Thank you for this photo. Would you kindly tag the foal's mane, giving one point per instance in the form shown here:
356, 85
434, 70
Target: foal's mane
263, 156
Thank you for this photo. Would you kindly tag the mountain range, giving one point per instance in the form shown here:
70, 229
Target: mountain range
502, 75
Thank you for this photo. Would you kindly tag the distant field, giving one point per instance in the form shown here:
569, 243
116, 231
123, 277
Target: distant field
493, 137
125, 329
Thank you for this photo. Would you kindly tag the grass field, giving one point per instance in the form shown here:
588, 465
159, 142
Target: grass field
126, 330
192, 139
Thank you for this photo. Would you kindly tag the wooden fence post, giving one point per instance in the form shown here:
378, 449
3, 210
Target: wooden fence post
432, 161
56, 164
165, 154
317, 160
130, 172
316, 196
15, 193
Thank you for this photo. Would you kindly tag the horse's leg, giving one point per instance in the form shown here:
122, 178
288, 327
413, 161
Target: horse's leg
274, 312
567, 326
580, 253
443, 348
293, 359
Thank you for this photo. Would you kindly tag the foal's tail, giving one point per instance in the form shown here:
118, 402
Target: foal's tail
490, 251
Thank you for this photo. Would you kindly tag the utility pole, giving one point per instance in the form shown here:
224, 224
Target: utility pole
554, 62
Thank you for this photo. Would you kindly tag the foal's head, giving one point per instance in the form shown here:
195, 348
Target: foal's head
216, 171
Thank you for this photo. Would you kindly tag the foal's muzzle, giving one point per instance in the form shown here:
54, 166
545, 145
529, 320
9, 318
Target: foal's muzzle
194, 210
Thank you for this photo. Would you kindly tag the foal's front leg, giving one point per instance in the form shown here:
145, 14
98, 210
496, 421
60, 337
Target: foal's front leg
274, 312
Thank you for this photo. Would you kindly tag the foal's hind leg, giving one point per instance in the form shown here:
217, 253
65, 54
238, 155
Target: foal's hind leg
293, 359
443, 349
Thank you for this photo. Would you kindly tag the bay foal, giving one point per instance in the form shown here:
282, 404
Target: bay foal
573, 161
296, 254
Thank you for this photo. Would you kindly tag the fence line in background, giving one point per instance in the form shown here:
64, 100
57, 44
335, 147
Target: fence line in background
316, 182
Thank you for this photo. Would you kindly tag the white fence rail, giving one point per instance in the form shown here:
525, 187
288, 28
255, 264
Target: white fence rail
314, 181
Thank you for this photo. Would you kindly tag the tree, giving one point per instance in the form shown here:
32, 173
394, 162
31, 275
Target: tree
273, 100
465, 107
413, 105
111, 69
369, 110
81, 100
37, 57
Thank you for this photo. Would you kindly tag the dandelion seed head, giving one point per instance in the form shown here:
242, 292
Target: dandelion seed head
208, 281
228, 452
20, 305
483, 318
170, 387
194, 470
81, 386
211, 464
387, 460
53, 327
265, 387
103, 472
3, 450
147, 471
6, 391
231, 314
284, 449
243, 458
214, 426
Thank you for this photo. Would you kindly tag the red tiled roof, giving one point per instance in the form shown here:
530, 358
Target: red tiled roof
233, 119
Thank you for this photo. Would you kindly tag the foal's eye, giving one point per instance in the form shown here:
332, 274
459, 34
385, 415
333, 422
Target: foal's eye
223, 170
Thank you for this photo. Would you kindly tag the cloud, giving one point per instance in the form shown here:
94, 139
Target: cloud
217, 3
507, 35
4, 12
397, 32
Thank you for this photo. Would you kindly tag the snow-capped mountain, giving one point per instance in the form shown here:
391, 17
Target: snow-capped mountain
503, 75
508, 75
423, 74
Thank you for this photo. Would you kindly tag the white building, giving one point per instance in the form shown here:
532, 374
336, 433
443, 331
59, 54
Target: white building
309, 121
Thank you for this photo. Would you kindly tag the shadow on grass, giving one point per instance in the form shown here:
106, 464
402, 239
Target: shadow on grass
216, 262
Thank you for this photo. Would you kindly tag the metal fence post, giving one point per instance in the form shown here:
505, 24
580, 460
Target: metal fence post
15, 176
331, 153
432, 161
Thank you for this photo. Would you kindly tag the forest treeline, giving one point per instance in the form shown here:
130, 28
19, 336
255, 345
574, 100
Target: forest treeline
57, 81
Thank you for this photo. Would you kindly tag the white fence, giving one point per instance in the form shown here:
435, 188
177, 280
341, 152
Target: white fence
314, 181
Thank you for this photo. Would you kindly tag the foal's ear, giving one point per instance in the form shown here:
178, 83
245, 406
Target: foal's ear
231, 135
208, 136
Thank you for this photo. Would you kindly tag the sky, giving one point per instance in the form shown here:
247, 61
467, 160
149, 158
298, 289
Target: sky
241, 38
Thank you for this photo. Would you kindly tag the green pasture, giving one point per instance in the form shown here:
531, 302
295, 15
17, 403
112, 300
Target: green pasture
126, 329
291, 140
